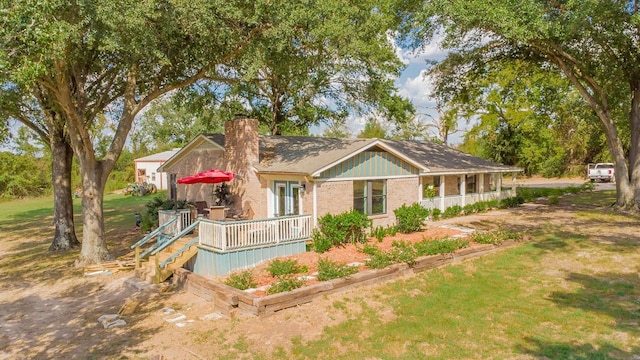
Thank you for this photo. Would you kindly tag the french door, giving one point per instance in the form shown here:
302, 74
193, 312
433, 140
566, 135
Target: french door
287, 198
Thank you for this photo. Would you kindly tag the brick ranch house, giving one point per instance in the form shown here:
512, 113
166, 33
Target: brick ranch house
291, 175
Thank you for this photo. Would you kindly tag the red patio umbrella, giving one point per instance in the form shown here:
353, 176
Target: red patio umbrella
211, 176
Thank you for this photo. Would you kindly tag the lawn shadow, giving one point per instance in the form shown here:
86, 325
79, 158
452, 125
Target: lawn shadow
611, 294
65, 324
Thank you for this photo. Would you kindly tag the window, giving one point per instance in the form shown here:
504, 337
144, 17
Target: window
493, 182
471, 184
153, 177
370, 196
287, 198
431, 190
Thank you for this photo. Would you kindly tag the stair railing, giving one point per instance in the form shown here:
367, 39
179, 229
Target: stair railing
157, 232
165, 244
179, 252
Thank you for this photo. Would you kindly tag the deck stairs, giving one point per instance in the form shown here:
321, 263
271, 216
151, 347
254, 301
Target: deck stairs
172, 257
164, 252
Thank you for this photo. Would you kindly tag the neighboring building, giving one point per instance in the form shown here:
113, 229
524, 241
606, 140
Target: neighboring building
287, 175
147, 169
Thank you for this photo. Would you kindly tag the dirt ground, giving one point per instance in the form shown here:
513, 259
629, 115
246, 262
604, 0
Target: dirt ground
58, 318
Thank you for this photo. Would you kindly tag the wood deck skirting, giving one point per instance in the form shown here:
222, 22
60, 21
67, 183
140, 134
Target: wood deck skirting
232, 302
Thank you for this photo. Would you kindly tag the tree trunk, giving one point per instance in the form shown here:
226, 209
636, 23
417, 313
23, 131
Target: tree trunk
64, 238
94, 247
634, 150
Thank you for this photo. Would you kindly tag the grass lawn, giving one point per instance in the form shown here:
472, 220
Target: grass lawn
571, 291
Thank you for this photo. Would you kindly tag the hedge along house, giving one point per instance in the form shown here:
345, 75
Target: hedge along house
289, 175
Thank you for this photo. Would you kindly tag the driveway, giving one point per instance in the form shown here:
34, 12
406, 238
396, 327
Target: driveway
537, 181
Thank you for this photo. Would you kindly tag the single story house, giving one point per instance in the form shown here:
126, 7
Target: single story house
292, 175
146, 169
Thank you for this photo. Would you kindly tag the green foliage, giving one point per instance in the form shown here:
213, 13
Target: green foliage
23, 176
436, 214
495, 237
348, 227
452, 211
440, 246
285, 267
553, 200
410, 218
159, 202
243, 280
379, 232
285, 283
328, 269
401, 251
511, 202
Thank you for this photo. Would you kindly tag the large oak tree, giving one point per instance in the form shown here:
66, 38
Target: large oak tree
91, 58
594, 44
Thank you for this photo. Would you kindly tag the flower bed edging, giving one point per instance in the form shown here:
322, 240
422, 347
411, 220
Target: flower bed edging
233, 302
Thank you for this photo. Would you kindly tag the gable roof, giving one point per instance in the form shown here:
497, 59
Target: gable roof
158, 157
443, 159
310, 155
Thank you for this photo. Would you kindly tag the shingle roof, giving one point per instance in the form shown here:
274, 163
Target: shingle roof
306, 154
161, 156
442, 159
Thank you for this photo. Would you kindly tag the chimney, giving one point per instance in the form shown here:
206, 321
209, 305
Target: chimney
241, 144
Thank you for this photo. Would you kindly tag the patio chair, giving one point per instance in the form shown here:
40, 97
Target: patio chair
202, 208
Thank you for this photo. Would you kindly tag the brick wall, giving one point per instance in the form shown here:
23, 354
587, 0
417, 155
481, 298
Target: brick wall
197, 161
451, 186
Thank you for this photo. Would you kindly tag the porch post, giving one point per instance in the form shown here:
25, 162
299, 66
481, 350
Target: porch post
481, 186
442, 192
513, 184
463, 189
315, 205
499, 185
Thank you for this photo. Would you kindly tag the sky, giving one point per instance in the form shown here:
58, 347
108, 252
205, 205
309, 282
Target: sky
413, 85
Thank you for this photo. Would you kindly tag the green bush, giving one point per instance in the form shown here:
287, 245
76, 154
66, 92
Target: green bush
159, 202
436, 214
285, 267
328, 270
442, 246
410, 218
401, 251
380, 232
511, 202
348, 227
285, 283
553, 200
243, 280
469, 209
452, 211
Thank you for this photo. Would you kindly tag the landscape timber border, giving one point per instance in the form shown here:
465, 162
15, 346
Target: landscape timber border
232, 302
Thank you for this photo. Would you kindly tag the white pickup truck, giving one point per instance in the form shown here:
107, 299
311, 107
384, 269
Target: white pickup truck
601, 172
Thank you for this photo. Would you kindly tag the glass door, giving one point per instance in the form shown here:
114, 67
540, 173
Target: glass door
287, 198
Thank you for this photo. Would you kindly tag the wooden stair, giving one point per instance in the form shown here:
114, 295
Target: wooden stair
148, 269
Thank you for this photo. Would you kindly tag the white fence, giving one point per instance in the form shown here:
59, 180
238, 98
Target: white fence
453, 200
232, 235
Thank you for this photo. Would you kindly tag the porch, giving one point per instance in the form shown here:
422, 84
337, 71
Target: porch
461, 200
224, 246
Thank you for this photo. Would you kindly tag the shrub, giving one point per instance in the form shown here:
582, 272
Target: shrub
436, 214
242, 281
401, 251
496, 236
511, 202
328, 270
320, 242
469, 209
553, 200
348, 227
160, 202
380, 232
410, 218
441, 246
285, 283
452, 211
285, 267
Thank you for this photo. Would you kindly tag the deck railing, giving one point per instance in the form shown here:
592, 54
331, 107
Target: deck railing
184, 218
232, 235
